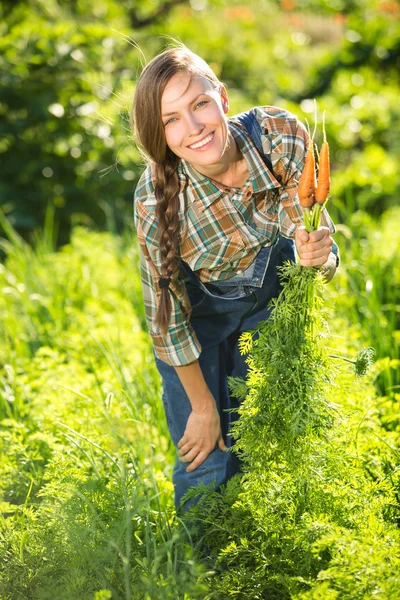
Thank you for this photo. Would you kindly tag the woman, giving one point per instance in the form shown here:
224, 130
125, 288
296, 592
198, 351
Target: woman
216, 211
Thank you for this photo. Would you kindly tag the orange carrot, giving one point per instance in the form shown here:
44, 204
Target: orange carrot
324, 181
306, 187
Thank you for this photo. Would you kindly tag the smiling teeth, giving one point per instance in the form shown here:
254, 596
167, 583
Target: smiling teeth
203, 142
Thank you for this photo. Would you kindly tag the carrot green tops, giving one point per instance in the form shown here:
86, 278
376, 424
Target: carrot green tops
221, 232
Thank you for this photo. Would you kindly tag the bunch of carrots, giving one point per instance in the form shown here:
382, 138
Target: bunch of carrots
312, 195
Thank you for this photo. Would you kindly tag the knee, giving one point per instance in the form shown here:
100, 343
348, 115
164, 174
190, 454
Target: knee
216, 470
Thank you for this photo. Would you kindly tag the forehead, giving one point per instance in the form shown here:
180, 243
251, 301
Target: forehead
182, 88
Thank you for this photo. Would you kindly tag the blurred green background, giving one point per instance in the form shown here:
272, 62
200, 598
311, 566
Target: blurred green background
68, 72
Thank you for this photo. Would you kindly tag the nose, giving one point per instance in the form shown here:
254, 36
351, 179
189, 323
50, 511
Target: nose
194, 127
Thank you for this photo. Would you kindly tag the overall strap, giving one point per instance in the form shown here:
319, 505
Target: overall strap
253, 128
249, 120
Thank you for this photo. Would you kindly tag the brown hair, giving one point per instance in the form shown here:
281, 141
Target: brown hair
148, 131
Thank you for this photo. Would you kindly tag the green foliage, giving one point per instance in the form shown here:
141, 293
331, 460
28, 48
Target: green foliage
86, 459
363, 361
368, 287
59, 124
68, 70
288, 372
315, 488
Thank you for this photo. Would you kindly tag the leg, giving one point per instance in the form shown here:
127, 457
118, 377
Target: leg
216, 363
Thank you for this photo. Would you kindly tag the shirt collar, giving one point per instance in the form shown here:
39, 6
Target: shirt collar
205, 192
261, 177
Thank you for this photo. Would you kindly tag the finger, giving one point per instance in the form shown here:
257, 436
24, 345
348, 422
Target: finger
319, 234
185, 448
221, 444
201, 457
182, 441
302, 234
316, 254
191, 455
325, 244
316, 262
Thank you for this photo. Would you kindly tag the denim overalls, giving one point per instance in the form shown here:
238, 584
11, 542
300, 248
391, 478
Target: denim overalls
221, 311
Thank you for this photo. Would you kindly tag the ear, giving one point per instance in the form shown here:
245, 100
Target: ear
224, 98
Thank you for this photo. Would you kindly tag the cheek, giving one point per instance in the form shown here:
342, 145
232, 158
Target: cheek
172, 136
214, 115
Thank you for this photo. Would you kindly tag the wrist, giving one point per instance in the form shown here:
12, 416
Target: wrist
328, 269
202, 404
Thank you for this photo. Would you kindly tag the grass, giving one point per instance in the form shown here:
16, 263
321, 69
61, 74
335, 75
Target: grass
86, 459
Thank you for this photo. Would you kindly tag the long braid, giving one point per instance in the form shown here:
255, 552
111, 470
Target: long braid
149, 133
167, 212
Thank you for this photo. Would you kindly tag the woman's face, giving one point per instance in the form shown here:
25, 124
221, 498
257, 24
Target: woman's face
193, 115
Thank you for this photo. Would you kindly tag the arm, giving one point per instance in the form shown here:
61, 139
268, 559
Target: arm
194, 384
179, 347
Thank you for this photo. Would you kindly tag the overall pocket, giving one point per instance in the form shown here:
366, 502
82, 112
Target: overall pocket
287, 249
195, 293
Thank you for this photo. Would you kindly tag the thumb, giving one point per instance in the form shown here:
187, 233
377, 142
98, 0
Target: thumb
221, 444
302, 234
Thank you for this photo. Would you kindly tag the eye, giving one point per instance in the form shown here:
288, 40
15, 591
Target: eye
174, 118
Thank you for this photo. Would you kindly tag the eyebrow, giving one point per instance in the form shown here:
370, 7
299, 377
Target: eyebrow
191, 102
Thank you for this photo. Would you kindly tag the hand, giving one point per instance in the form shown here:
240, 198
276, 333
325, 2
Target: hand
314, 248
202, 433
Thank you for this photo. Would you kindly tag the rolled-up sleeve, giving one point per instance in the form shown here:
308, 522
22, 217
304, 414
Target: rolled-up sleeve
288, 164
179, 346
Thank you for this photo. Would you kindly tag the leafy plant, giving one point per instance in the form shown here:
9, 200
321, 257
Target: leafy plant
273, 531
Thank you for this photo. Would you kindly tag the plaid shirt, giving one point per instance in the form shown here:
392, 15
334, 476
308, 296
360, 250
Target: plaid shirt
222, 231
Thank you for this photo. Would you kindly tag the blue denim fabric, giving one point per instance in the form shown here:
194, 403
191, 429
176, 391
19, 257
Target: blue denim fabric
220, 313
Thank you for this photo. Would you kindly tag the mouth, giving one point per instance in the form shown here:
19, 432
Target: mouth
204, 143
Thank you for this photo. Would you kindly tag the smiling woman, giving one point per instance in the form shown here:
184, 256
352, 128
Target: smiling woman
214, 223
198, 131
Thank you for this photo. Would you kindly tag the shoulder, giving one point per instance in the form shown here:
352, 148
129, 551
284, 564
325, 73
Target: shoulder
273, 118
279, 124
144, 191
144, 196
283, 125
145, 204
283, 136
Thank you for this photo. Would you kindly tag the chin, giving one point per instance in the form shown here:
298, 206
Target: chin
205, 158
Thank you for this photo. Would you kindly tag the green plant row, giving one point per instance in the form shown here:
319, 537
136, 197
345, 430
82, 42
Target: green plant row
86, 460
